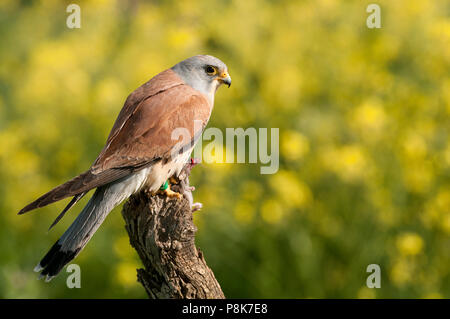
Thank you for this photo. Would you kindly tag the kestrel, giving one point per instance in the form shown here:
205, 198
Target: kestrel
139, 152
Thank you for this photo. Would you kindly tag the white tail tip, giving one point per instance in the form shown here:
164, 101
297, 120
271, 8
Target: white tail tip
38, 268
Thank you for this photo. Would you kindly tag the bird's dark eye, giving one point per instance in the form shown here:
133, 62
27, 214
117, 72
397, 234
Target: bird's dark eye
210, 70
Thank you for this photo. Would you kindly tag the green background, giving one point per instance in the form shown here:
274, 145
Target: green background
364, 148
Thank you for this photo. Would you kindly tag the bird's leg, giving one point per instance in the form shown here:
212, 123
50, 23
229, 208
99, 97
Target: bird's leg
171, 193
185, 188
165, 189
181, 185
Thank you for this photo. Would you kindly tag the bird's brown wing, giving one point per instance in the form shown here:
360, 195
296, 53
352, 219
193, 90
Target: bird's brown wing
148, 133
141, 136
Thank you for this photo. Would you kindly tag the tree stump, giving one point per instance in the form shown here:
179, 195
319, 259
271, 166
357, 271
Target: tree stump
162, 231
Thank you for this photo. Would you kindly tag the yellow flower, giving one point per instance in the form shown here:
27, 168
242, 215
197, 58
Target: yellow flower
291, 189
272, 211
419, 176
447, 153
370, 116
179, 38
433, 295
409, 244
401, 272
294, 145
109, 94
126, 274
437, 211
348, 162
415, 146
366, 293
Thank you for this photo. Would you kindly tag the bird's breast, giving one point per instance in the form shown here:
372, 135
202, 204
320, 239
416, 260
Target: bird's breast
159, 172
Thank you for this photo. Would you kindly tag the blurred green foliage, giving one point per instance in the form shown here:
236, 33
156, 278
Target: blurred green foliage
364, 126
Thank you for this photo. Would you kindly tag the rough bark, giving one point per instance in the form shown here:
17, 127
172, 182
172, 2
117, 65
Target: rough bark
162, 231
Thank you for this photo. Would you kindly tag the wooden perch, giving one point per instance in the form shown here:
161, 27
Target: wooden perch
162, 231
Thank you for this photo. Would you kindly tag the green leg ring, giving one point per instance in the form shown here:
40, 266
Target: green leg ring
164, 186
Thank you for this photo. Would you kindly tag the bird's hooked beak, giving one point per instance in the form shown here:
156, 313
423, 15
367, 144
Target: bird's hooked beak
225, 78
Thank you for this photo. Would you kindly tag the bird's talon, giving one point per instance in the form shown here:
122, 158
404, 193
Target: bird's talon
170, 193
196, 207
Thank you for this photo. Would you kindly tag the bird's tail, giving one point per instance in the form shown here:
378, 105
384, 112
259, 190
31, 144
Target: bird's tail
82, 229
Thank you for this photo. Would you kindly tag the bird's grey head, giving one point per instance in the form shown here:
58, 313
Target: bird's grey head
204, 73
